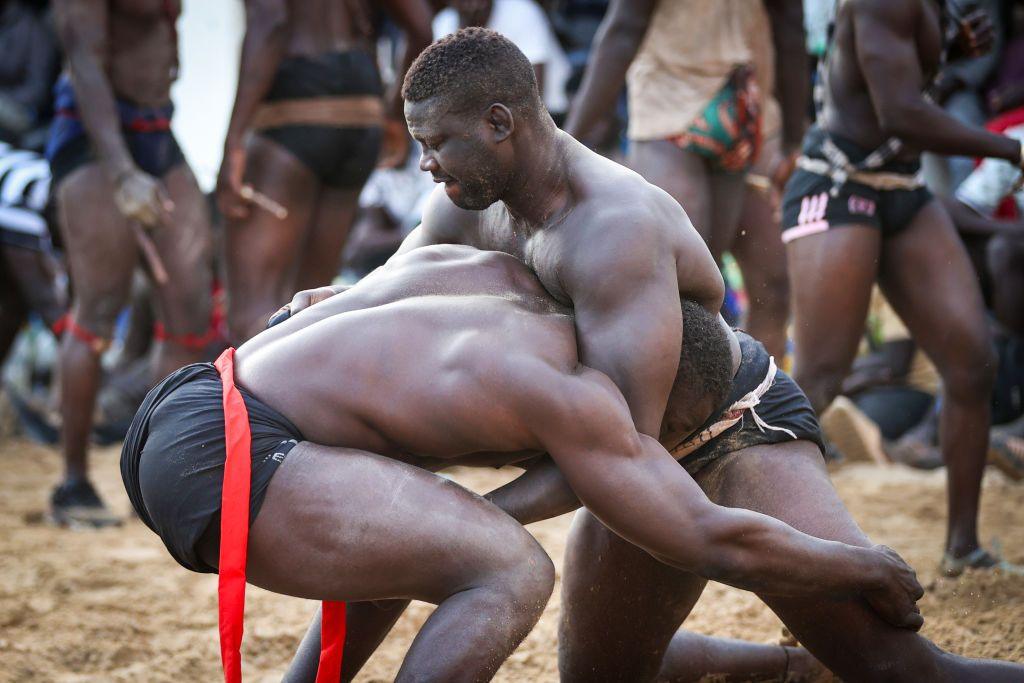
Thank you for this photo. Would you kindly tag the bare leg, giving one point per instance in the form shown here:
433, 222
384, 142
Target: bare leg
831, 274
183, 304
401, 532
759, 251
620, 606
101, 256
845, 635
34, 275
1005, 260
928, 278
321, 257
261, 251
693, 658
367, 624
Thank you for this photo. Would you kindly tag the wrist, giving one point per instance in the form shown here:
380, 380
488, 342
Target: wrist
867, 572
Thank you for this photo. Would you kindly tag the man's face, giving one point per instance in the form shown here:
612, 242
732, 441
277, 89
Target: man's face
460, 151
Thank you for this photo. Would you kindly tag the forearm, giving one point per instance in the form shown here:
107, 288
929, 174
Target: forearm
756, 552
97, 108
541, 492
928, 128
414, 20
614, 49
788, 36
263, 48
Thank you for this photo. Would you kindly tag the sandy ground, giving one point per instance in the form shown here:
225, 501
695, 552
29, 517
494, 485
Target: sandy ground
113, 606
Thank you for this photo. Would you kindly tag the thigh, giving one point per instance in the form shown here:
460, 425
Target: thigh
262, 251
831, 274
329, 229
845, 635
727, 190
620, 606
927, 276
99, 245
364, 527
1005, 261
684, 175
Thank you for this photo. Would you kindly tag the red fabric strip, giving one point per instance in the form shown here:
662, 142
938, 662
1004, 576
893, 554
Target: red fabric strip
234, 542
192, 342
234, 520
332, 642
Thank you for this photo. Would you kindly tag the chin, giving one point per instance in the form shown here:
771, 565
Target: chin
468, 202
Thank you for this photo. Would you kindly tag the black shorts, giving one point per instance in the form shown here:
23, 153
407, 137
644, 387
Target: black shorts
808, 206
784, 407
172, 463
340, 157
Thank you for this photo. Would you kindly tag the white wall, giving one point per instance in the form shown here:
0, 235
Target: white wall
209, 39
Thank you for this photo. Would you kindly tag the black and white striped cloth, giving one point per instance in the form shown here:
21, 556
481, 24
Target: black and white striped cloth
24, 193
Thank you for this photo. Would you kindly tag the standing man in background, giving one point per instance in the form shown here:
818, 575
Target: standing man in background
701, 75
120, 181
310, 93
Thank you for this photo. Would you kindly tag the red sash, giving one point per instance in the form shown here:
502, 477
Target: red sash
234, 541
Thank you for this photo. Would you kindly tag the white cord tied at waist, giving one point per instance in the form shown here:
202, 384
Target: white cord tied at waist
734, 415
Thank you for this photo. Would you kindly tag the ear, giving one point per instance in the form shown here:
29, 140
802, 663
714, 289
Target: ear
500, 119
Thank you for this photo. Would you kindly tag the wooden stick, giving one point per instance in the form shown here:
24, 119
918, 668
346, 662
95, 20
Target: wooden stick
264, 202
149, 252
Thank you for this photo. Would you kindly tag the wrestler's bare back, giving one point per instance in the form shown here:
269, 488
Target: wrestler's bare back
414, 361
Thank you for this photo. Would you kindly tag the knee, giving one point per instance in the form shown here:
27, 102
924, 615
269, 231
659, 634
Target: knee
821, 382
973, 373
524, 576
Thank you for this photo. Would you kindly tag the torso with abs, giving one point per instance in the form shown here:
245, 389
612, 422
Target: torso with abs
416, 362
322, 26
142, 49
847, 108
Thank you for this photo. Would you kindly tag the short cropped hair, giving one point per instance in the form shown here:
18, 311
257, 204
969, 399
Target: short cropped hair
473, 68
705, 364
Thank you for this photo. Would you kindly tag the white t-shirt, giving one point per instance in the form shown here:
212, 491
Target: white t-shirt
525, 24
992, 181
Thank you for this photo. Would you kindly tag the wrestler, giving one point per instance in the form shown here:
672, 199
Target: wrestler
856, 211
622, 254
425, 378
702, 115
310, 95
120, 182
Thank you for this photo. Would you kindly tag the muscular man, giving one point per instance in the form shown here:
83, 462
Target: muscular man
120, 181
856, 211
454, 356
310, 93
622, 254
701, 81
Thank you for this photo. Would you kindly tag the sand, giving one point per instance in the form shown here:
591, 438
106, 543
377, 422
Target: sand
113, 606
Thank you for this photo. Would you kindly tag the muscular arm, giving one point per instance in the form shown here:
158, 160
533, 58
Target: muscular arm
789, 38
615, 45
886, 50
266, 37
82, 29
635, 488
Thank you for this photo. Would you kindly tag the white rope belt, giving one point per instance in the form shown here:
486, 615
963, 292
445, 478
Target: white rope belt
733, 415
878, 180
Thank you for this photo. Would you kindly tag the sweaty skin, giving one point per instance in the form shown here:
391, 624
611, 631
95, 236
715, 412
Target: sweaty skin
453, 356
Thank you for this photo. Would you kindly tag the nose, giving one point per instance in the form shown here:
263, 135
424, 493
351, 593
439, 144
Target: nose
428, 163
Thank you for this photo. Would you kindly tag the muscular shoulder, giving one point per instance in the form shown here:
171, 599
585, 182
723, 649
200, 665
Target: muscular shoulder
444, 221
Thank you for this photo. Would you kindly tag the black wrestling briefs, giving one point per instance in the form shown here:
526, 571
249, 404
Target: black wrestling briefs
172, 463
146, 131
810, 206
341, 156
763, 407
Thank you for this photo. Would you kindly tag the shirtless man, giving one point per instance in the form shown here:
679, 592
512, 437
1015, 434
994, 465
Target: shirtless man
310, 93
856, 211
119, 180
622, 254
703, 113
453, 356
